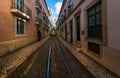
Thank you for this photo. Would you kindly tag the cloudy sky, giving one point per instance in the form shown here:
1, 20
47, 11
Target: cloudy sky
55, 6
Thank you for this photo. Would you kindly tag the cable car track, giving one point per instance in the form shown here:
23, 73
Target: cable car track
52, 60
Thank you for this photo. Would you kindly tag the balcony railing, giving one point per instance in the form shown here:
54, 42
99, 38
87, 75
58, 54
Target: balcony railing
44, 14
70, 8
38, 21
38, 5
20, 9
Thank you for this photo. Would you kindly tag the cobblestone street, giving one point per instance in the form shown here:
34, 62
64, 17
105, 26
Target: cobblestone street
60, 66
59, 39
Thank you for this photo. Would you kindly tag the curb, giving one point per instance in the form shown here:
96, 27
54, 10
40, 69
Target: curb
95, 68
12, 61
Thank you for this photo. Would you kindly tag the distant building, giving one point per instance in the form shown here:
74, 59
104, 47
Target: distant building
92, 26
19, 21
50, 11
55, 20
44, 26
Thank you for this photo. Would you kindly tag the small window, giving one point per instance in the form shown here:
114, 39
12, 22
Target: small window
70, 6
20, 27
94, 47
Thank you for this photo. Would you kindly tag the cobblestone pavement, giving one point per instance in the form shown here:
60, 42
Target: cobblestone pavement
10, 62
98, 70
57, 67
33, 64
36, 65
77, 69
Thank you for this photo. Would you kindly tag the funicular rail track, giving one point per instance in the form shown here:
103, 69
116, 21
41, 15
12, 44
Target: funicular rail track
52, 60
68, 65
36, 66
75, 67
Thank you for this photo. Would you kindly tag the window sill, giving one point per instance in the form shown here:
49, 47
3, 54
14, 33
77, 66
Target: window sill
95, 54
20, 35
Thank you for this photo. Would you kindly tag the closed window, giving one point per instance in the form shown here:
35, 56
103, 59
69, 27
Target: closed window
70, 6
95, 22
20, 5
94, 47
20, 27
95, 27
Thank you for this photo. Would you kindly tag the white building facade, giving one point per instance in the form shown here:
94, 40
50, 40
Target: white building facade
92, 27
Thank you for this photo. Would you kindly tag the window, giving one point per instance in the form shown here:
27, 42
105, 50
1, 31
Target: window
65, 15
20, 5
95, 22
94, 47
70, 6
95, 27
78, 28
20, 27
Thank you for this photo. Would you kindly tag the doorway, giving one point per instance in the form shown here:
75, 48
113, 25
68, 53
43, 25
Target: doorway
78, 28
71, 31
65, 32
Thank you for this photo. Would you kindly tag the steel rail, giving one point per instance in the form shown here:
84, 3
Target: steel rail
48, 63
65, 63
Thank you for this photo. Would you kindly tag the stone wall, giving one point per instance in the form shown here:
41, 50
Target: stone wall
10, 46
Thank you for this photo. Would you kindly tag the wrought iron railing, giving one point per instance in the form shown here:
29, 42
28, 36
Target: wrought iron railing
37, 3
70, 8
37, 19
21, 6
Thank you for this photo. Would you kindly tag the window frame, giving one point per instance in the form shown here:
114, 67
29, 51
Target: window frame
17, 34
91, 39
20, 5
94, 24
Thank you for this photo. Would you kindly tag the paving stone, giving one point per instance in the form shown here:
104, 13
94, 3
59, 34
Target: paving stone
10, 62
98, 70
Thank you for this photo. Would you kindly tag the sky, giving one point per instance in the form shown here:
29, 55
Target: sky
55, 6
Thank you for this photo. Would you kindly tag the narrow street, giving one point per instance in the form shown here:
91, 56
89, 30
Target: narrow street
60, 39
62, 63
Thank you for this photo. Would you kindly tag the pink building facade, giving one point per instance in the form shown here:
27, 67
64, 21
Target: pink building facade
19, 23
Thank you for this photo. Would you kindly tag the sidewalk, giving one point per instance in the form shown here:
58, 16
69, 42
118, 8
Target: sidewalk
96, 69
12, 61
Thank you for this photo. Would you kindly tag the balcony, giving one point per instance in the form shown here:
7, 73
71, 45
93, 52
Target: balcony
38, 21
44, 14
21, 10
70, 8
38, 5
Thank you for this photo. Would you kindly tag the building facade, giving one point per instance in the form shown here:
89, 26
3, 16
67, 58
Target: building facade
44, 13
91, 26
19, 21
